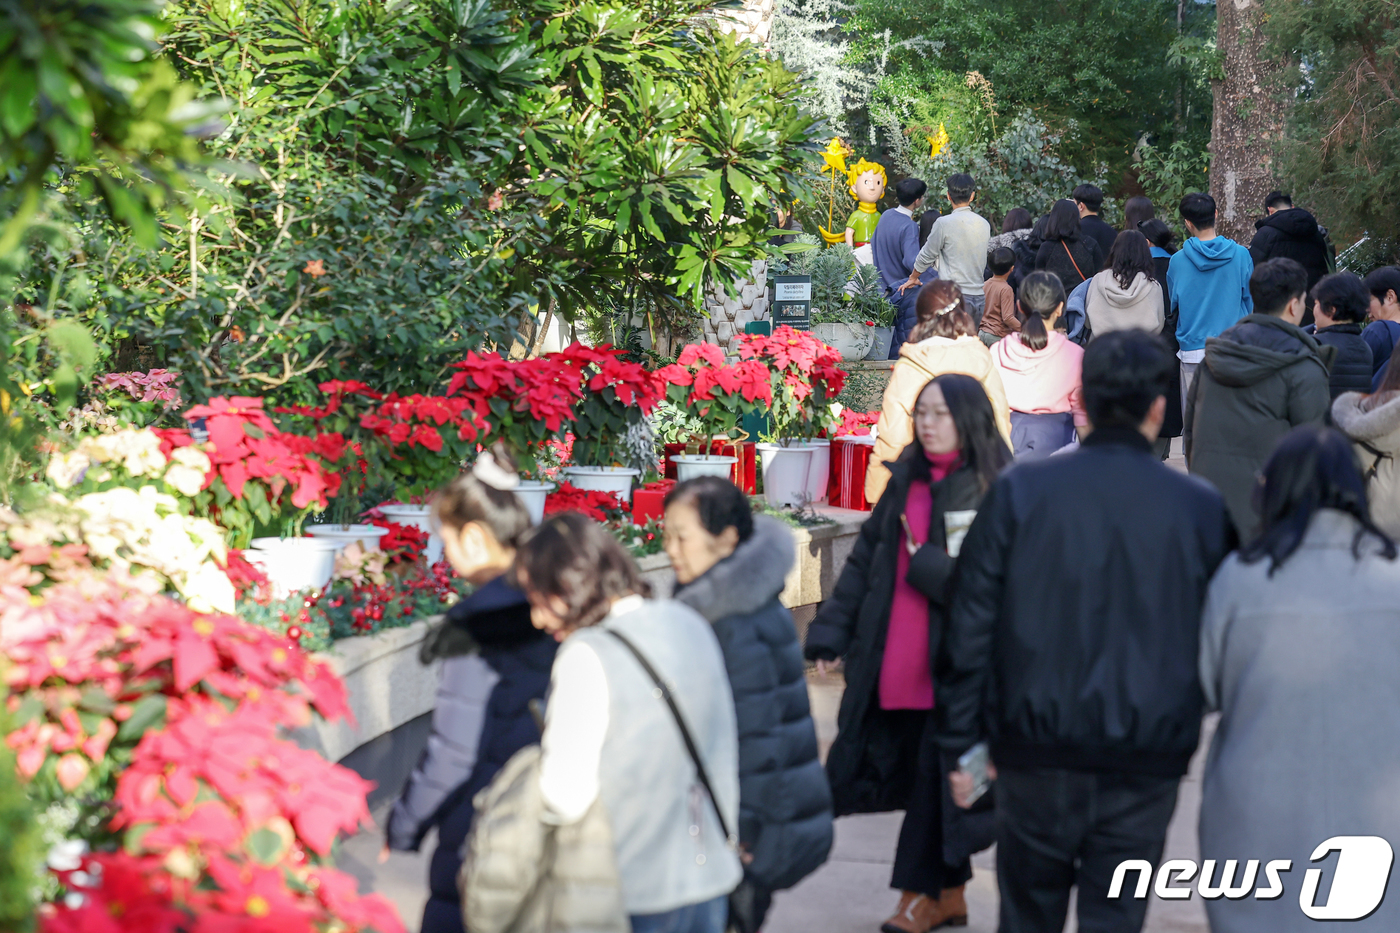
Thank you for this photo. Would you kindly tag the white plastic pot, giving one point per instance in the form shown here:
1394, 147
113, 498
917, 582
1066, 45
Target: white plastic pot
533, 493
689, 466
852, 341
786, 474
820, 475
616, 480
294, 564
421, 517
367, 535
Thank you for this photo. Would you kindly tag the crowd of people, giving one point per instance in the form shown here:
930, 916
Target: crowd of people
1034, 619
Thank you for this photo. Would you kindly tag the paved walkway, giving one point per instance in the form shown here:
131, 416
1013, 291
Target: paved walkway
850, 894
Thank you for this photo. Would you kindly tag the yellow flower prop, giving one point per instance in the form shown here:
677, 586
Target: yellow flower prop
859, 169
835, 156
937, 143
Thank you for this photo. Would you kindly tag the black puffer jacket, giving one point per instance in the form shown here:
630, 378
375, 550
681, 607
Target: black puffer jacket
1260, 379
1351, 370
494, 663
784, 801
1291, 234
868, 774
1076, 613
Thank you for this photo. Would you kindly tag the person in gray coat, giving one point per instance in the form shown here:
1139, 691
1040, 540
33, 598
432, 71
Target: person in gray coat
1298, 645
1260, 379
731, 566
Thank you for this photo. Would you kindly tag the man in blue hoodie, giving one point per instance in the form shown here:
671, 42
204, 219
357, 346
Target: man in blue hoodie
1209, 283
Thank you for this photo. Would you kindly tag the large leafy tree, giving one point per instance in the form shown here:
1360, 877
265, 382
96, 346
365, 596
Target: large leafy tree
1339, 156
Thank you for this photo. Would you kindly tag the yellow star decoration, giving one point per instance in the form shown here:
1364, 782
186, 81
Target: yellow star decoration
937, 143
835, 156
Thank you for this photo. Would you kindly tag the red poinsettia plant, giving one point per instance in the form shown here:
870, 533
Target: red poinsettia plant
525, 403
856, 423
618, 396
167, 727
346, 404
599, 506
719, 394
257, 472
423, 439
805, 378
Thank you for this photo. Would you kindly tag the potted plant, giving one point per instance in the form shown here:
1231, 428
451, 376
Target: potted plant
805, 383
837, 320
346, 404
524, 403
718, 395
612, 440
867, 299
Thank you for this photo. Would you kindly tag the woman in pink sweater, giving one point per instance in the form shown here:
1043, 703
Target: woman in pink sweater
1041, 372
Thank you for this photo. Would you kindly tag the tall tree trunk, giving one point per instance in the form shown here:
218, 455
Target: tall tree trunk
1250, 110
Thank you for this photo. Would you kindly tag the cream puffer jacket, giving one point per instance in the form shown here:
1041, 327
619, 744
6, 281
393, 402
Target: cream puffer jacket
521, 874
1374, 427
917, 364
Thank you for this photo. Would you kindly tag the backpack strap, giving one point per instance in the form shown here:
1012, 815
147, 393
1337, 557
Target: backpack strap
1375, 464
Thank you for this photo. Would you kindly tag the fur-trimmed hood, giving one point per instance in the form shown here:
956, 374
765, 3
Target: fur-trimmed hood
1379, 427
748, 579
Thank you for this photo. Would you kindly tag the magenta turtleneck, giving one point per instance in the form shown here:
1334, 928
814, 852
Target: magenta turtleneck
906, 676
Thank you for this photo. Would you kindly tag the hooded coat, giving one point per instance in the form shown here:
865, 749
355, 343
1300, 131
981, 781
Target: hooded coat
1209, 284
1261, 378
1045, 381
1373, 424
1291, 234
869, 768
1301, 664
1111, 307
918, 363
494, 663
1351, 369
785, 818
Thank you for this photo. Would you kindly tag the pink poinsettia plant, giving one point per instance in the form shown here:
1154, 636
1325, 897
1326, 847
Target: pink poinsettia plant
719, 394
806, 379
167, 727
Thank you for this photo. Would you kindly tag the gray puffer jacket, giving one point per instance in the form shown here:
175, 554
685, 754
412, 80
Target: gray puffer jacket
521, 874
1261, 378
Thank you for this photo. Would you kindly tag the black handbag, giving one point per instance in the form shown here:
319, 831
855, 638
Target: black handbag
741, 899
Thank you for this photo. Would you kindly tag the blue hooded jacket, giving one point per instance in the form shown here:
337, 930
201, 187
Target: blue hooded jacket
1209, 283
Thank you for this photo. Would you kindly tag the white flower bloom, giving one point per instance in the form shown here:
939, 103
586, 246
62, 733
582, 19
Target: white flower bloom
188, 467
138, 451
209, 589
67, 470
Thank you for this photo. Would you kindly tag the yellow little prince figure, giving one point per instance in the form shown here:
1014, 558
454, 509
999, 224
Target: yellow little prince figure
867, 181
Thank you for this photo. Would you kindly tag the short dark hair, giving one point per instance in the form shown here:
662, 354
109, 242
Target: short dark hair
1276, 282
1091, 196
718, 502
1277, 199
1199, 208
574, 558
1313, 467
1382, 280
960, 187
1157, 233
1344, 296
1018, 218
909, 190
1002, 260
1125, 371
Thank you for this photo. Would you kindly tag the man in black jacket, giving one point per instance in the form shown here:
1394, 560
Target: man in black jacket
1072, 646
1089, 200
1290, 232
